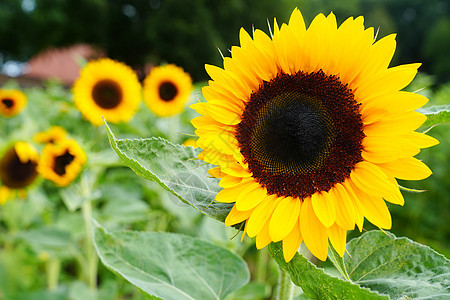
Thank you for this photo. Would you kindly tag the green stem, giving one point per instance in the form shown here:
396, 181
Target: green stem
285, 286
52, 267
91, 255
261, 264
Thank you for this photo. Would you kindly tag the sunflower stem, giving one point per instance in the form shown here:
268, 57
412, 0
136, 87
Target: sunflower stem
285, 286
261, 264
91, 255
52, 268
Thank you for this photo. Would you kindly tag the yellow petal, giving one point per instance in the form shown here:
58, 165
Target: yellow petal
292, 242
374, 209
251, 197
263, 238
313, 232
407, 168
261, 214
371, 179
228, 181
338, 238
230, 195
396, 124
324, 207
359, 217
422, 140
379, 149
235, 216
284, 218
345, 211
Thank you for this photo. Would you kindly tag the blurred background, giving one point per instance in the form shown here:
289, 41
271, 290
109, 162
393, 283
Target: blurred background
44, 42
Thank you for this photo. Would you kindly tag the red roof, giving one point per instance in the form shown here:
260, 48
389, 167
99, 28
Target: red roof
60, 63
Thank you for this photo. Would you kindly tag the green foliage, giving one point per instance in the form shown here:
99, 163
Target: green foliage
171, 266
437, 114
175, 168
315, 283
398, 267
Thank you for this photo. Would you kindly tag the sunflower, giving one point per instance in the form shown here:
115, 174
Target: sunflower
17, 169
166, 90
107, 88
61, 162
310, 130
12, 102
53, 135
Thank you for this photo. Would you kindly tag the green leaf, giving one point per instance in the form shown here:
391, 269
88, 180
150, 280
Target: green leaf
436, 114
315, 283
176, 168
399, 267
171, 266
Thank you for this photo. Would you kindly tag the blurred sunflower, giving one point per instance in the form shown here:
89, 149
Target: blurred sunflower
61, 162
107, 88
166, 90
12, 102
18, 169
310, 130
53, 135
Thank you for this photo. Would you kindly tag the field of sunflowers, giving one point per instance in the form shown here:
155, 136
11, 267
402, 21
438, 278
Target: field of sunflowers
299, 171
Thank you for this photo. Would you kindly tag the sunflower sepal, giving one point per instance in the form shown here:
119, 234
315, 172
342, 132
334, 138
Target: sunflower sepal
315, 283
174, 167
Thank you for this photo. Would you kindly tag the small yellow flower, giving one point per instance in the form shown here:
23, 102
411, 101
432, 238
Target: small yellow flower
107, 88
12, 102
166, 90
53, 135
61, 162
18, 169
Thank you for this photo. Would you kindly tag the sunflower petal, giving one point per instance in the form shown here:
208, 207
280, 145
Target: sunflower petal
292, 242
284, 218
324, 207
313, 232
236, 216
338, 238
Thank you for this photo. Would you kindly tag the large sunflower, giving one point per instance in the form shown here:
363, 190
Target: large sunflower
61, 162
310, 130
166, 90
11, 102
17, 169
107, 88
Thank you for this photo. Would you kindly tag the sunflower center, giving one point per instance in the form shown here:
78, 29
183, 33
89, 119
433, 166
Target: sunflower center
107, 94
8, 103
167, 91
15, 174
301, 133
61, 162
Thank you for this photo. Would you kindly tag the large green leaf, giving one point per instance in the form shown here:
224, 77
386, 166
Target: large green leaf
398, 267
315, 283
171, 266
174, 167
436, 114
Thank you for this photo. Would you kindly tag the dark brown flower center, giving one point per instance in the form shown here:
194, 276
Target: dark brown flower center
107, 94
61, 162
167, 91
8, 103
301, 133
15, 174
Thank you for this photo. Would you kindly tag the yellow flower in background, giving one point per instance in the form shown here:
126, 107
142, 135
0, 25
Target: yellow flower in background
61, 162
310, 130
166, 90
190, 142
107, 88
12, 102
53, 135
18, 169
